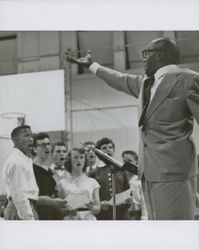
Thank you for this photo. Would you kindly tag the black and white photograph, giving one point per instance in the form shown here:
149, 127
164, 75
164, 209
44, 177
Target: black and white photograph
99, 126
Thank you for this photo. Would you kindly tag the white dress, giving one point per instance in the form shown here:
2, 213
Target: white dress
81, 186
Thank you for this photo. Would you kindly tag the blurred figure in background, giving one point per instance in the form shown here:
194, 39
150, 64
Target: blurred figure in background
59, 152
103, 175
91, 159
137, 206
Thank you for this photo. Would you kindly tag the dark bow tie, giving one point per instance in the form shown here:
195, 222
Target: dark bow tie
59, 168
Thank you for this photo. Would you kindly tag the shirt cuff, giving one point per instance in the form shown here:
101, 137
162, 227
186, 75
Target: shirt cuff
94, 67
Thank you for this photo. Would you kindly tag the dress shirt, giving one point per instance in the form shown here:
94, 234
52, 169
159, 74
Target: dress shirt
90, 168
21, 184
172, 68
158, 75
59, 173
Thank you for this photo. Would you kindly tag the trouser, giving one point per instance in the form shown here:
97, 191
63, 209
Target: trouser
11, 213
170, 200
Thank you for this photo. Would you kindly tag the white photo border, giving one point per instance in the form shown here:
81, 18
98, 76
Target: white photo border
99, 15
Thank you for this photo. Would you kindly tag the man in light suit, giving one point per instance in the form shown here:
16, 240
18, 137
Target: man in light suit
167, 155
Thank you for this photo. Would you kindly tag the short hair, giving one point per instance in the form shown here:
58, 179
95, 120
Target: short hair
16, 130
58, 144
130, 152
68, 163
172, 54
39, 136
103, 141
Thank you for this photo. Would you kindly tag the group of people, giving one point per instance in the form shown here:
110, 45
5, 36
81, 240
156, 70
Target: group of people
168, 101
45, 181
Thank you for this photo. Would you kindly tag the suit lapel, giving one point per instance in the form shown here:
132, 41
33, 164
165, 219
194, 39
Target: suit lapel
140, 99
163, 90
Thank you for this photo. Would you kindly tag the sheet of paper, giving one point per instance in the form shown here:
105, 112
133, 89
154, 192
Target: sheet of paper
121, 197
77, 200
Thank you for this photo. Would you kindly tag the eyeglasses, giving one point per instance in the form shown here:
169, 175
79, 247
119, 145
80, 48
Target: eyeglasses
146, 52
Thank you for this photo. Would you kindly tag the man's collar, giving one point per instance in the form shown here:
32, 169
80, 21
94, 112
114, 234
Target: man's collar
164, 70
21, 153
46, 167
55, 167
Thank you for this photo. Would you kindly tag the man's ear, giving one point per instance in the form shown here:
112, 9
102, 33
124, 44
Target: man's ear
15, 141
160, 55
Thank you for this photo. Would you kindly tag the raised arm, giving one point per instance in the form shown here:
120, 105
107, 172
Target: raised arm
127, 83
83, 61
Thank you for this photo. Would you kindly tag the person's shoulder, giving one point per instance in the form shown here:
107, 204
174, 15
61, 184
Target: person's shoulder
9, 158
91, 179
63, 182
95, 171
38, 169
185, 72
13, 159
93, 182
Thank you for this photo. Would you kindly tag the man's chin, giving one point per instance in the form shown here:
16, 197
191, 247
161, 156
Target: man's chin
148, 73
29, 153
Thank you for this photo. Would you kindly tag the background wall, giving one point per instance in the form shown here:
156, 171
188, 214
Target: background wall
92, 109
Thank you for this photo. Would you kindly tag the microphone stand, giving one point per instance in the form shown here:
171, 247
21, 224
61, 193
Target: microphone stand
113, 191
114, 166
114, 195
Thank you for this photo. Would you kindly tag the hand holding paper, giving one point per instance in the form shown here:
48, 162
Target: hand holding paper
77, 200
120, 198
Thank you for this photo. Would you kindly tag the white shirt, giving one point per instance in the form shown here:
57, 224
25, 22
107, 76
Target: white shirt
58, 174
158, 75
20, 182
88, 168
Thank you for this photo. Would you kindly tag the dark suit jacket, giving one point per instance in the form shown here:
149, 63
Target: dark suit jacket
104, 178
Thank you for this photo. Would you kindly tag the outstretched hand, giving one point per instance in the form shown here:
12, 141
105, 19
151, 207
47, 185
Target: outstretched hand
83, 61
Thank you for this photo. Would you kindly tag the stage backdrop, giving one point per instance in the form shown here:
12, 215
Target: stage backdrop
40, 96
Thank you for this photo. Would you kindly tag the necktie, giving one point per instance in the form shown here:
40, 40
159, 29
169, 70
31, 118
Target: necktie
148, 83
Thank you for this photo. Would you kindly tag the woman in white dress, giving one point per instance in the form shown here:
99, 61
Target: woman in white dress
81, 191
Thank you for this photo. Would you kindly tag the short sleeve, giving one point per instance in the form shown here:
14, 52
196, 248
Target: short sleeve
95, 184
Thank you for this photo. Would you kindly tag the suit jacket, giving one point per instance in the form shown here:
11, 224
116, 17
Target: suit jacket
166, 150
